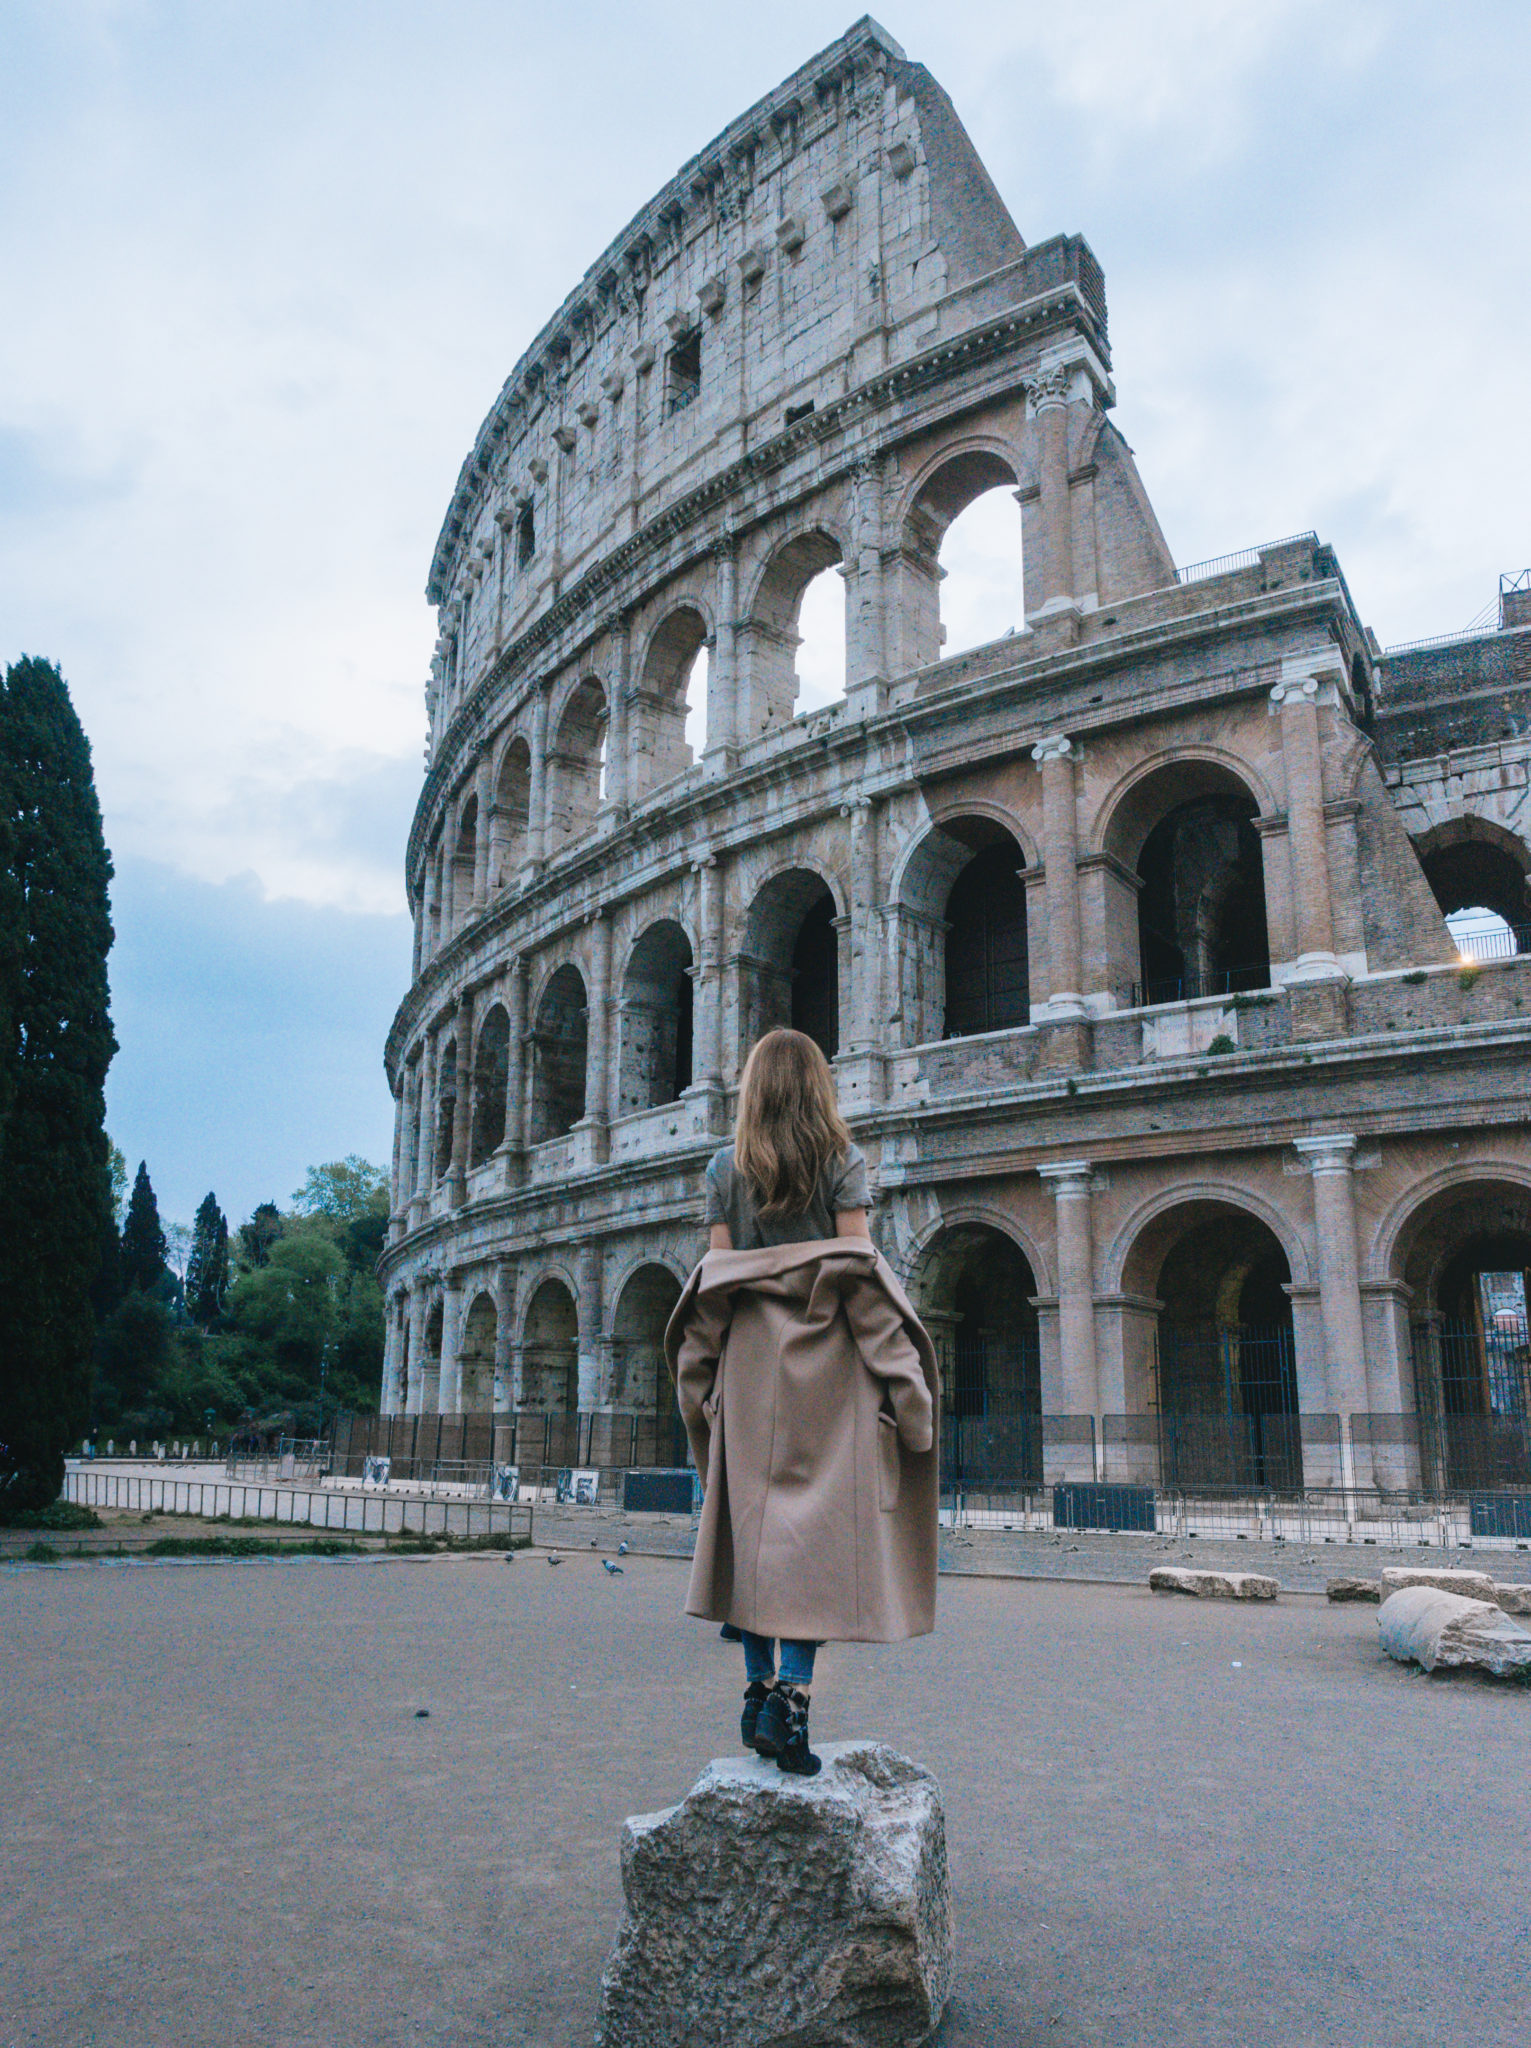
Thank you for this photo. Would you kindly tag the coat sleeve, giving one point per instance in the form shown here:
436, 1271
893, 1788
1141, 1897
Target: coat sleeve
694, 1362
888, 1351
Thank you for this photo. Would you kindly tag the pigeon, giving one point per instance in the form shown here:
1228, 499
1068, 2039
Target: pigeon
608, 1566
622, 1550
554, 1558
422, 1713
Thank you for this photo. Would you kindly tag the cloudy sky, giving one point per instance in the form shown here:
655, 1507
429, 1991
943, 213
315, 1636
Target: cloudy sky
267, 263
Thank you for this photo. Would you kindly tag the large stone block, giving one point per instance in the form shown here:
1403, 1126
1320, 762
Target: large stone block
1445, 1578
767, 1909
1513, 1599
1348, 1588
1422, 1625
1204, 1585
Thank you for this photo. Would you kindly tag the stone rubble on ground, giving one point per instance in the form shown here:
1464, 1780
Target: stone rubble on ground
1426, 1626
1346, 1588
1445, 1578
1206, 1585
768, 1909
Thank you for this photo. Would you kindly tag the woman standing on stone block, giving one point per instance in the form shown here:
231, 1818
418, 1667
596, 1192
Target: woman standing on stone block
810, 1395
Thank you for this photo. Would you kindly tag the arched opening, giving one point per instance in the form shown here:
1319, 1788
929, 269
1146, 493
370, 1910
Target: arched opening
435, 881
640, 1379
790, 962
976, 1288
430, 1362
446, 1106
654, 1061
791, 648
476, 1361
1225, 1359
1188, 833
464, 862
1468, 1268
559, 1049
1479, 875
491, 1075
511, 812
964, 963
963, 582
669, 724
577, 766
550, 1351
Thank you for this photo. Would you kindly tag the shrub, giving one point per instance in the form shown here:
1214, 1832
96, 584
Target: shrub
1468, 976
41, 1553
1222, 1043
58, 1514
1415, 979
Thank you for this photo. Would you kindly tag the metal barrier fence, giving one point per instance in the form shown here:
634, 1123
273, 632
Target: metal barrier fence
345, 1512
1334, 1515
427, 1448
294, 1458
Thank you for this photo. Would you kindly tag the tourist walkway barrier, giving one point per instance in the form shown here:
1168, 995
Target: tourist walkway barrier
351, 1512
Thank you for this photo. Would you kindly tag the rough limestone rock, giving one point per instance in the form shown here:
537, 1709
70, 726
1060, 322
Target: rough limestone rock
1354, 1589
1471, 1585
1423, 1625
770, 1909
1513, 1599
1172, 1578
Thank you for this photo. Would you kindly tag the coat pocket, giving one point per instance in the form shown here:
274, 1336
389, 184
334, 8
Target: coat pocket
888, 1462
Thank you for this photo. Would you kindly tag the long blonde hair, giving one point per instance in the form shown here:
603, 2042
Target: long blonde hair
789, 1124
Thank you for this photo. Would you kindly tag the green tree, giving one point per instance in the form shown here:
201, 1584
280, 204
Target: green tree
207, 1268
144, 1247
56, 1044
258, 1235
342, 1190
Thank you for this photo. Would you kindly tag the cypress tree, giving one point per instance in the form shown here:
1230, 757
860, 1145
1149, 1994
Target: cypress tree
207, 1269
55, 1046
143, 1240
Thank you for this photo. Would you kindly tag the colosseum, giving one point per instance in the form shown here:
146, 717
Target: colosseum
1197, 1133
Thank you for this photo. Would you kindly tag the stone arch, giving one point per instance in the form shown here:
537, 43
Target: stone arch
464, 862
510, 814
491, 1076
430, 1357
768, 638
577, 761
476, 1356
945, 487
657, 736
560, 1048
1473, 863
1185, 825
789, 959
962, 943
965, 1215
640, 1379
1122, 1262
975, 1289
654, 1058
550, 1348
447, 1080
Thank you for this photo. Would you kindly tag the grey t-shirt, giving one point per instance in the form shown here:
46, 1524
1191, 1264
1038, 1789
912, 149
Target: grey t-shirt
842, 1185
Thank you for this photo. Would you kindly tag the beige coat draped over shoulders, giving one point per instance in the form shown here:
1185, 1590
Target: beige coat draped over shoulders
810, 1394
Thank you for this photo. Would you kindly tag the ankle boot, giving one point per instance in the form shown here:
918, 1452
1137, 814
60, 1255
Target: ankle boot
755, 1696
782, 1731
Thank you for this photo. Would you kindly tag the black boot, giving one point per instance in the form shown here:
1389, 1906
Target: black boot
755, 1695
782, 1731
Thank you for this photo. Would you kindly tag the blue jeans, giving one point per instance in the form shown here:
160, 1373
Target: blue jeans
760, 1660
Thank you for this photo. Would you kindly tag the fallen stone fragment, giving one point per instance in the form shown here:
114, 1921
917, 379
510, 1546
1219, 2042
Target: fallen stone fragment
767, 1909
1423, 1625
1354, 1589
1206, 1585
1471, 1585
1513, 1599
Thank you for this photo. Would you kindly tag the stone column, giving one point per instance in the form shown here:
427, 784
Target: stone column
1076, 1288
1048, 394
504, 1329
451, 906
397, 1194
866, 662
537, 806
590, 1318
723, 670
618, 709
425, 1144
449, 1401
1055, 756
388, 1395
462, 1109
707, 980
598, 1070
1331, 1157
419, 1297
409, 1146
1296, 701
481, 838
514, 1145
430, 915
865, 822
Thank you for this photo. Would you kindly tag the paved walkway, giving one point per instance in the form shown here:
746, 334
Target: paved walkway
1171, 1822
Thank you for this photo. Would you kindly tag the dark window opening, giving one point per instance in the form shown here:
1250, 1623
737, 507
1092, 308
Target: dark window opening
816, 977
526, 537
1201, 910
795, 413
987, 969
684, 376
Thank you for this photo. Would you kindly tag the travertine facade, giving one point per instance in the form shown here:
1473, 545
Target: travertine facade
1142, 1003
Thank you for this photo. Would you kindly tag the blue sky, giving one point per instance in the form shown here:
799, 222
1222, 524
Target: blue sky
267, 265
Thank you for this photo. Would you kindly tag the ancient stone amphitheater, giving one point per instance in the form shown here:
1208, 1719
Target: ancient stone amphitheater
1192, 1136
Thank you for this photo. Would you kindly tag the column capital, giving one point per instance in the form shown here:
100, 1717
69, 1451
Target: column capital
1057, 746
1329, 1152
1068, 1176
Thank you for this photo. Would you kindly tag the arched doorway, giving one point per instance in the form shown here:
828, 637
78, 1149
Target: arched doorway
640, 1379
491, 1072
550, 1351
476, 1361
430, 1362
560, 1043
1478, 873
464, 864
510, 813
961, 580
446, 1106
577, 764
654, 1059
1467, 1264
1225, 1358
976, 1290
790, 966
791, 648
670, 714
